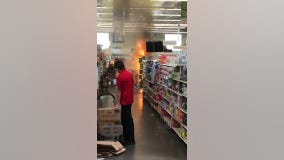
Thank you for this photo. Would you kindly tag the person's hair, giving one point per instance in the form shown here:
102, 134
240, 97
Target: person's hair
119, 64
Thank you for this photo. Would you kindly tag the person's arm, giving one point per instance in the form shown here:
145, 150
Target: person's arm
118, 94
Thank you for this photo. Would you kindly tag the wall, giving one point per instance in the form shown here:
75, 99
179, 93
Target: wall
47, 82
236, 80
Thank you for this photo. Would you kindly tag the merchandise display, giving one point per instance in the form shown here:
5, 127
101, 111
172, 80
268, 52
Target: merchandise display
165, 85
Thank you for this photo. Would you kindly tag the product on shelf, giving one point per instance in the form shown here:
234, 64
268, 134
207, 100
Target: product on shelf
175, 124
183, 133
182, 59
184, 122
163, 113
153, 72
184, 106
175, 73
163, 59
182, 88
176, 113
181, 116
183, 74
183, 103
175, 86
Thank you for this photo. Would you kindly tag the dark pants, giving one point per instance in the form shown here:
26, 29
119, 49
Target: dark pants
127, 123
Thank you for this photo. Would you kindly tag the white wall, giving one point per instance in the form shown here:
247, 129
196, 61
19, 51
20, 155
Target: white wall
236, 79
47, 80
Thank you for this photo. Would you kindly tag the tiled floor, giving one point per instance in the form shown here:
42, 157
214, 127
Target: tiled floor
154, 140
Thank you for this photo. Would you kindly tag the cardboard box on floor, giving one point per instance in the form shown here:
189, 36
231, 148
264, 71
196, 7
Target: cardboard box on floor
109, 148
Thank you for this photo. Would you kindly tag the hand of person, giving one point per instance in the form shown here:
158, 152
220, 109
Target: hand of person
116, 106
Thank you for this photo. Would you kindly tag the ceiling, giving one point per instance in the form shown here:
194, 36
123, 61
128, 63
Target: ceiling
142, 15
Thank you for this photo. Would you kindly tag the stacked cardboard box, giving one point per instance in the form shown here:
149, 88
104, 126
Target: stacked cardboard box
108, 114
108, 148
109, 124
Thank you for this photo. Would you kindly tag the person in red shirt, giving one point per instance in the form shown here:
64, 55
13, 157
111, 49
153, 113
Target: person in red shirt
124, 97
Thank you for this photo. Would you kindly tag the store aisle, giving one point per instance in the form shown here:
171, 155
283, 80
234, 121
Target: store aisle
154, 140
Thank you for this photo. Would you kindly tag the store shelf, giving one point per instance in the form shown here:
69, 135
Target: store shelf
172, 90
174, 65
147, 80
182, 110
163, 85
167, 65
176, 130
167, 111
163, 72
165, 98
181, 65
184, 126
180, 80
176, 120
151, 104
167, 120
154, 100
151, 89
155, 107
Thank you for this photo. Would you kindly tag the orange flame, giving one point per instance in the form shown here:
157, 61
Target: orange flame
133, 61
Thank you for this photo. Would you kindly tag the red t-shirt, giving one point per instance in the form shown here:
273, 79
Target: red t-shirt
125, 83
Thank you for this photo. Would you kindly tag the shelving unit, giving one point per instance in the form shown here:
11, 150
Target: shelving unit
140, 72
167, 93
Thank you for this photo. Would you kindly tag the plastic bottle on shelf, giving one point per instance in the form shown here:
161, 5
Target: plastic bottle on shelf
181, 116
184, 106
176, 113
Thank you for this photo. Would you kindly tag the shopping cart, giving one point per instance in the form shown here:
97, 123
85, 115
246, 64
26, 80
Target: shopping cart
106, 81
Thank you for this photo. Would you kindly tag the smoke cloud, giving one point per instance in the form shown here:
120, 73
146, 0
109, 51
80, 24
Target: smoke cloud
137, 17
